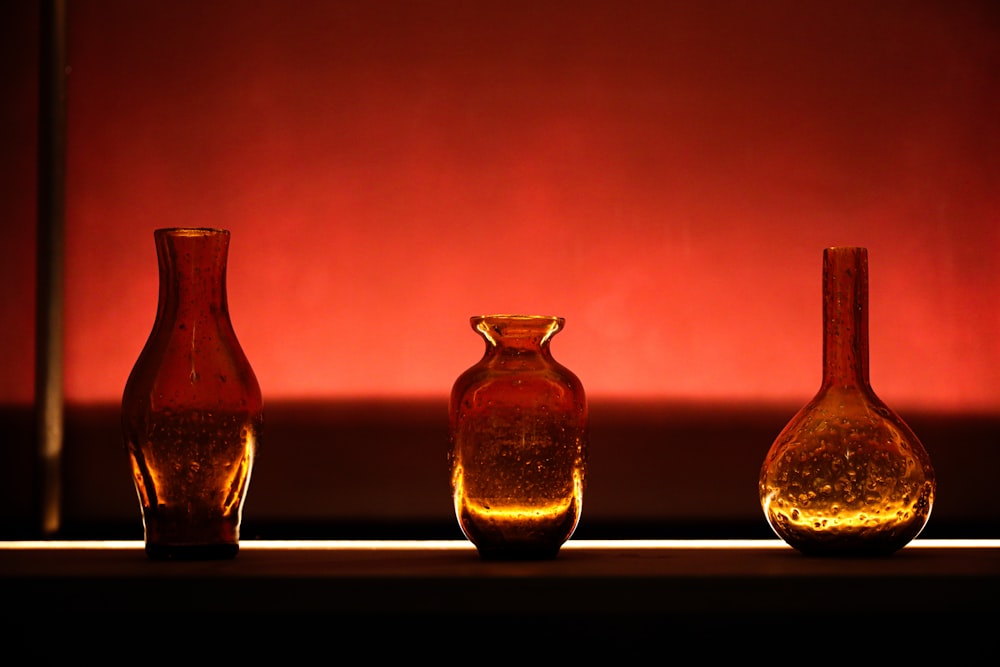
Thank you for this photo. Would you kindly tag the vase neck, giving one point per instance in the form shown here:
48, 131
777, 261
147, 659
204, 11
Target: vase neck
192, 265
845, 317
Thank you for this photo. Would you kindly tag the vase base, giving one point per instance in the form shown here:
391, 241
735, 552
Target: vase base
192, 551
518, 554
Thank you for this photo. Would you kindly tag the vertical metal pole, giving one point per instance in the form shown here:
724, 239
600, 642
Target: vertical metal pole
50, 249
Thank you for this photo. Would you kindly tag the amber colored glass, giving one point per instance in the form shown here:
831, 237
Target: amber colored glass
192, 413
846, 476
518, 454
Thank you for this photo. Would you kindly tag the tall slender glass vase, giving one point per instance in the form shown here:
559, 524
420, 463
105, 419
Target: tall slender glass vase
192, 413
846, 476
518, 452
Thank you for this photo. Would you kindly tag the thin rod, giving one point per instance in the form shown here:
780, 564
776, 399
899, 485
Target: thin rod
50, 248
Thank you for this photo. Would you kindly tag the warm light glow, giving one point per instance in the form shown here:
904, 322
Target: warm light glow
463, 545
519, 514
513, 511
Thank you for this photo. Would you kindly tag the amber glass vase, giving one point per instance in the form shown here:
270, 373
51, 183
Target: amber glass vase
846, 476
518, 453
192, 412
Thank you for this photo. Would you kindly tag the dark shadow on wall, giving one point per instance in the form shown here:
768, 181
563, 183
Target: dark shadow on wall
358, 469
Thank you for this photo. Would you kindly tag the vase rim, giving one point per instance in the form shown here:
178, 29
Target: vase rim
518, 317
191, 231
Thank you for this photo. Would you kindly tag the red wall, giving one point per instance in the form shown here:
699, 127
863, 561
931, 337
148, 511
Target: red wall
663, 175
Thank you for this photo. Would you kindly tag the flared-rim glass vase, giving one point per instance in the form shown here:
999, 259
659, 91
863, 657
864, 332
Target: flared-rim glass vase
518, 428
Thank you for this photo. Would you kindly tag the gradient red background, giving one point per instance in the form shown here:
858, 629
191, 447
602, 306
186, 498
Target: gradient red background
663, 175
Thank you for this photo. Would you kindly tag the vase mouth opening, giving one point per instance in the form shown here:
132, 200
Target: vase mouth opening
191, 231
845, 250
518, 319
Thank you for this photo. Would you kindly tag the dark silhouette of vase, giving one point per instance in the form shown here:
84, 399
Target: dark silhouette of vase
192, 412
846, 476
518, 456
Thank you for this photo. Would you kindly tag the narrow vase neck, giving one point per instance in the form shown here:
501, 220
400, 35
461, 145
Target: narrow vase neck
845, 317
192, 264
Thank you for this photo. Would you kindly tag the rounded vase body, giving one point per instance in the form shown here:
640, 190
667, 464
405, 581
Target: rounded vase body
192, 413
846, 476
518, 428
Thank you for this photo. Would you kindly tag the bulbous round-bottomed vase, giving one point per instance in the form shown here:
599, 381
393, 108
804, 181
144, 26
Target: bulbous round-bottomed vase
846, 476
192, 413
518, 451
